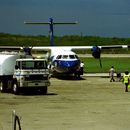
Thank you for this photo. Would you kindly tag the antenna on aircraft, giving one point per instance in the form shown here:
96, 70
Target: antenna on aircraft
51, 23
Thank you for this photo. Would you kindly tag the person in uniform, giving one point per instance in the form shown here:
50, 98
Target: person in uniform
126, 78
81, 68
111, 74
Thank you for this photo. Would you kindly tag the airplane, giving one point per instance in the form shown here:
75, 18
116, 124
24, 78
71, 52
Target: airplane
62, 59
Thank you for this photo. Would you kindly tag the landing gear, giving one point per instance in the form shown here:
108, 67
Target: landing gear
77, 75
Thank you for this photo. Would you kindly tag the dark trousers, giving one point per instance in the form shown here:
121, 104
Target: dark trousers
112, 79
126, 87
81, 70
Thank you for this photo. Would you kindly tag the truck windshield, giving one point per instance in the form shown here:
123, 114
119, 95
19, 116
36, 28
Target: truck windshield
34, 65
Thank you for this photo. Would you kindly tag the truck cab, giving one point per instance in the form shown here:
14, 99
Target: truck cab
30, 73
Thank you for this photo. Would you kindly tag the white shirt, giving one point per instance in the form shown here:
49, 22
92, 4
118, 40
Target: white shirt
81, 64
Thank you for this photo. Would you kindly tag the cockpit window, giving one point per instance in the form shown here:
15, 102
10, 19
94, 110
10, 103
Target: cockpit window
76, 57
58, 57
72, 56
65, 56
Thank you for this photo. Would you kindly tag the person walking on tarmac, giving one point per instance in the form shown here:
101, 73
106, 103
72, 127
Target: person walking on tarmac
126, 79
80, 71
81, 68
111, 74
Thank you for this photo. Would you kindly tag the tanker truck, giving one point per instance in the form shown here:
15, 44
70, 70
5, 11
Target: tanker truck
18, 73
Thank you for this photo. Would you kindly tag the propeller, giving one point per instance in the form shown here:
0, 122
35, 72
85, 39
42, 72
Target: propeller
96, 53
27, 50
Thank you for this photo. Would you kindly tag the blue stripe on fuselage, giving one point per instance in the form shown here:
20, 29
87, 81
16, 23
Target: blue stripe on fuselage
66, 66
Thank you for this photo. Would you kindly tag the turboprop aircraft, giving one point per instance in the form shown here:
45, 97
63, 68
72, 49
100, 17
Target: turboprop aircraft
62, 59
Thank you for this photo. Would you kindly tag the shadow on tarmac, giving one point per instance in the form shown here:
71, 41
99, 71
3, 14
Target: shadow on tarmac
70, 78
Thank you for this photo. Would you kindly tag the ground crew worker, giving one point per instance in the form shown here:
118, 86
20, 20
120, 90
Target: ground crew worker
81, 68
119, 78
111, 74
126, 78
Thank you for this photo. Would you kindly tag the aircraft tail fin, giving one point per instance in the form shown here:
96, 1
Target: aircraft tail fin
51, 23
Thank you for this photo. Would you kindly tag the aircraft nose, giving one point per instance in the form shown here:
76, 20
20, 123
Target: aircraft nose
68, 64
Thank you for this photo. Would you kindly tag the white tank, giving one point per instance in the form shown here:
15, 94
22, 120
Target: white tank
7, 63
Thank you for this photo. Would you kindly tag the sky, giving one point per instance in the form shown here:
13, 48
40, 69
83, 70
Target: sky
107, 18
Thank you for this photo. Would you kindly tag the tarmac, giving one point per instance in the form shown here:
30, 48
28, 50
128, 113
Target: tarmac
93, 103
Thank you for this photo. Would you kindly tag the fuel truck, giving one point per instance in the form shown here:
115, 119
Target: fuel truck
20, 73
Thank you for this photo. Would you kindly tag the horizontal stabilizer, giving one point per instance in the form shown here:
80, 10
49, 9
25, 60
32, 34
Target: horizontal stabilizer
36, 23
54, 23
76, 22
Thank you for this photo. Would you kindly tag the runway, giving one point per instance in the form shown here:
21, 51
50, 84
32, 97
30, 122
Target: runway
92, 103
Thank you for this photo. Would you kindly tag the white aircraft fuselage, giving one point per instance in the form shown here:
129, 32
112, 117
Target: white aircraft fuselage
63, 61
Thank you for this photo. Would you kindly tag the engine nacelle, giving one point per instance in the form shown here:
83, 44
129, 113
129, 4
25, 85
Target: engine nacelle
27, 50
96, 52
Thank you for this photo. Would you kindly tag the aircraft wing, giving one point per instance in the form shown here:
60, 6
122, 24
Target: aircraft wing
10, 47
78, 47
48, 48
15, 48
101, 47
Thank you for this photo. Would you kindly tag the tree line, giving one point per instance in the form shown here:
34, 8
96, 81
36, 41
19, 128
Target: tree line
67, 40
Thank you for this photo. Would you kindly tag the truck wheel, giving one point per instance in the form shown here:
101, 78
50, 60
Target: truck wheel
2, 88
44, 90
15, 89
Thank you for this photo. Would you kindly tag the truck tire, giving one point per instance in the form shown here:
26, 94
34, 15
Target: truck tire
44, 90
15, 89
2, 87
